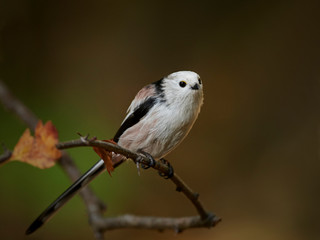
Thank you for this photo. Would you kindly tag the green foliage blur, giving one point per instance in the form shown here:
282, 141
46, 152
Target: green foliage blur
253, 154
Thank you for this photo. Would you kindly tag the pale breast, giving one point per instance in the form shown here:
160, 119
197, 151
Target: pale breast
159, 132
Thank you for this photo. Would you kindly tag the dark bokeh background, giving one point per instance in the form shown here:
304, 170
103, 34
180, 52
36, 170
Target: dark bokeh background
253, 154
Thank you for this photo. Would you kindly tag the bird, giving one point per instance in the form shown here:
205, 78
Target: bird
158, 119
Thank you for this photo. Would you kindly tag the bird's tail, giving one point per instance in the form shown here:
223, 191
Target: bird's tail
98, 168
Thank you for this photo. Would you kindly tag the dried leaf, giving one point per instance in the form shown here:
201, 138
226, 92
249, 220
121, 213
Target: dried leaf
39, 151
106, 156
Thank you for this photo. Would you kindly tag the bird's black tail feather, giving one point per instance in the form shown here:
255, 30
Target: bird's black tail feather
98, 168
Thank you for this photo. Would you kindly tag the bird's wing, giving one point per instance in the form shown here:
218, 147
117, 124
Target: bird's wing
135, 116
146, 92
139, 107
151, 90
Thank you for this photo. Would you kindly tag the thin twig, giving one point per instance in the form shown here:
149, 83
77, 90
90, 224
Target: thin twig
156, 223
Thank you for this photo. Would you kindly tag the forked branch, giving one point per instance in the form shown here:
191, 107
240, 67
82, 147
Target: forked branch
94, 206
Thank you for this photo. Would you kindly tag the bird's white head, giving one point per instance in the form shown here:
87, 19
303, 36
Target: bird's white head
183, 87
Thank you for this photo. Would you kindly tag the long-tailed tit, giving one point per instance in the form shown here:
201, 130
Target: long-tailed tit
158, 119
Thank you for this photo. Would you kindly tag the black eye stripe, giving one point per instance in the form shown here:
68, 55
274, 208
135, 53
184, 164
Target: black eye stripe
182, 84
200, 81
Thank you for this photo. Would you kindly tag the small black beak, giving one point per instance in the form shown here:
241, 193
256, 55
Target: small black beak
195, 87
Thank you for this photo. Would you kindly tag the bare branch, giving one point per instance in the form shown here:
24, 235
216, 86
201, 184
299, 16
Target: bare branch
14, 105
156, 223
94, 206
5, 156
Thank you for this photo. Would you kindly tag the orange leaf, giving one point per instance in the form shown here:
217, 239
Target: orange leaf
39, 151
106, 156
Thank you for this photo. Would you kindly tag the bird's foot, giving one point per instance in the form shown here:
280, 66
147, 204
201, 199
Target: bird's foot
171, 171
152, 162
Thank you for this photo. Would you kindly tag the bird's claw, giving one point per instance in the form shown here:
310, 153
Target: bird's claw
151, 159
152, 163
171, 171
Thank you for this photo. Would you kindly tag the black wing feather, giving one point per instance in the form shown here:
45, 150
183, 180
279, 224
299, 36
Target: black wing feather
135, 117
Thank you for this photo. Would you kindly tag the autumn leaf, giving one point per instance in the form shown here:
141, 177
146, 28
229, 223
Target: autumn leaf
40, 150
106, 156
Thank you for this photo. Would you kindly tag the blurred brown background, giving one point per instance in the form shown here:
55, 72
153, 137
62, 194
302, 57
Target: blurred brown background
253, 154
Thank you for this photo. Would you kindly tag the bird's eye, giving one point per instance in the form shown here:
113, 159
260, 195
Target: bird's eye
199, 81
182, 84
